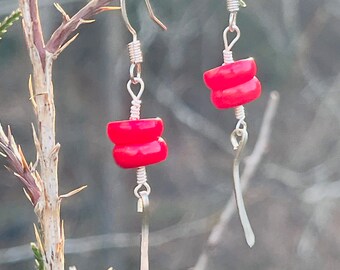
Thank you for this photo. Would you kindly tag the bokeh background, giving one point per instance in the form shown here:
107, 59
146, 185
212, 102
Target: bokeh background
292, 199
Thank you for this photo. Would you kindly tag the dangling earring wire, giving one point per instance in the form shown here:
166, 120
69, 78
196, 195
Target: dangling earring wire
234, 84
137, 141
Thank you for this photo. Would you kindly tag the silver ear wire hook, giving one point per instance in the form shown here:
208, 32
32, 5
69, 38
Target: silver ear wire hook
126, 20
151, 13
153, 16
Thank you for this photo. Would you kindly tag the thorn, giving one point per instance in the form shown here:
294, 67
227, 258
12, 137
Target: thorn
28, 196
36, 140
37, 236
21, 178
55, 150
82, 21
9, 169
23, 160
33, 167
9, 135
102, 9
39, 181
3, 135
62, 230
62, 48
66, 18
74, 192
31, 91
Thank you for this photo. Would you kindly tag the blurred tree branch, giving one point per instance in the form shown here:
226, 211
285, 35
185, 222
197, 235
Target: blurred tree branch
115, 240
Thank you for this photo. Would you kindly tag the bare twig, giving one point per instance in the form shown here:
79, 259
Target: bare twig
252, 163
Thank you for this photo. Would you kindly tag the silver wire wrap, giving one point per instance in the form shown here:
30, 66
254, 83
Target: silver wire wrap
233, 5
135, 52
136, 59
227, 57
240, 113
142, 183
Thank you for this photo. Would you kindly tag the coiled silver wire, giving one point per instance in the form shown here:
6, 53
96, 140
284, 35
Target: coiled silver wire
227, 57
233, 5
135, 52
142, 181
240, 112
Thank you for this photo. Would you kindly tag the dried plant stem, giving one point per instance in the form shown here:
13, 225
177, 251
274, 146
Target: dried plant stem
51, 233
251, 164
48, 206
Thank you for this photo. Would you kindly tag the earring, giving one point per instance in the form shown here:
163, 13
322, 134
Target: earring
138, 142
232, 85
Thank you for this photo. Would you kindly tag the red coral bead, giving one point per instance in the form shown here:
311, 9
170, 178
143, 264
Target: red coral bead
138, 155
230, 75
237, 95
135, 131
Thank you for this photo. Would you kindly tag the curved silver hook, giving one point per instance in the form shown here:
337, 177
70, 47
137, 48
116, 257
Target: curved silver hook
151, 13
153, 16
126, 19
239, 147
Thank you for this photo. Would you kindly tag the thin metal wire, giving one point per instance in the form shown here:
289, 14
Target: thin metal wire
153, 16
144, 245
127, 21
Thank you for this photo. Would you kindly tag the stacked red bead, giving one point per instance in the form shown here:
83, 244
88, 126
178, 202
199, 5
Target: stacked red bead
137, 142
233, 84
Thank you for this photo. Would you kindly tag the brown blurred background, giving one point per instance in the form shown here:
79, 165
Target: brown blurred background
292, 198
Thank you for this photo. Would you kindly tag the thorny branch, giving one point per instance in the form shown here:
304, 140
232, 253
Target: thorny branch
47, 204
69, 25
252, 163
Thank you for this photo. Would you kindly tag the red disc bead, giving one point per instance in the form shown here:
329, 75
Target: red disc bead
237, 95
137, 155
137, 142
233, 84
230, 75
135, 131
